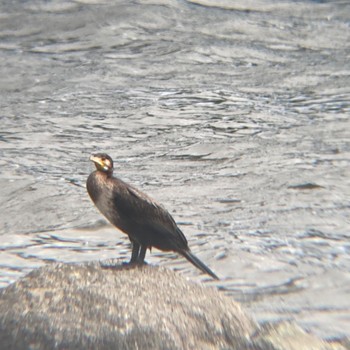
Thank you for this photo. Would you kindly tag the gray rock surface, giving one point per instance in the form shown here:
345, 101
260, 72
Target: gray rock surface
89, 306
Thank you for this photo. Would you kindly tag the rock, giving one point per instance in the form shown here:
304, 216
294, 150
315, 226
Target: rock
88, 306
289, 336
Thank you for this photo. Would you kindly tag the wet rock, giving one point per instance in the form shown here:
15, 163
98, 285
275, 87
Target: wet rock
89, 306
289, 336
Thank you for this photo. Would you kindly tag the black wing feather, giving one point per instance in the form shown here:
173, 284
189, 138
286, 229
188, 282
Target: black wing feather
149, 222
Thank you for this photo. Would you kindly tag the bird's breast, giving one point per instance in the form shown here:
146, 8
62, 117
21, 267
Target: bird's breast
102, 192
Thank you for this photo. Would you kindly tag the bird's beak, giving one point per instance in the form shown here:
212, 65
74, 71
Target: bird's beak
96, 160
99, 161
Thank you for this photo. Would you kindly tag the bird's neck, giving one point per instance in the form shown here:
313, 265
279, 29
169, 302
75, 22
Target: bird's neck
105, 174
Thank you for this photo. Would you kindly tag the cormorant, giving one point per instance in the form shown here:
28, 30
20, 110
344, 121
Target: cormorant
147, 223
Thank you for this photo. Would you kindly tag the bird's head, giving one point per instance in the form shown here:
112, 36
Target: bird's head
103, 162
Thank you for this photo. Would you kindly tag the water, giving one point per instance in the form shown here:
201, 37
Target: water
234, 115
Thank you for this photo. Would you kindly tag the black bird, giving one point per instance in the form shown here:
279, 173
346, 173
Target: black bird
147, 223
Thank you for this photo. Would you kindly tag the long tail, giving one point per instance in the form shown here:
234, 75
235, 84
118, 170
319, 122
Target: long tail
196, 262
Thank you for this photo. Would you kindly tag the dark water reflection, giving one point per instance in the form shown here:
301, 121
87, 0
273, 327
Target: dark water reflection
235, 115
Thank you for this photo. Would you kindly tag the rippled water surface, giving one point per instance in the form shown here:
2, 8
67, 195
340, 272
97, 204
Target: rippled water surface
233, 114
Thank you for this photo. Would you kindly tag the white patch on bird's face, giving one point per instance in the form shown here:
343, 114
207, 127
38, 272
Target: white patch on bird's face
106, 164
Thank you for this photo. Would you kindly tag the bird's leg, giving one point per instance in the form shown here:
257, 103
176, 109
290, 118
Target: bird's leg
142, 254
134, 253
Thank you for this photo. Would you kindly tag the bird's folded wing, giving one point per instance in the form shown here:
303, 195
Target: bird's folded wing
145, 212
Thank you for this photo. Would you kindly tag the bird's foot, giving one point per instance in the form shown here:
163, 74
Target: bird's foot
135, 263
